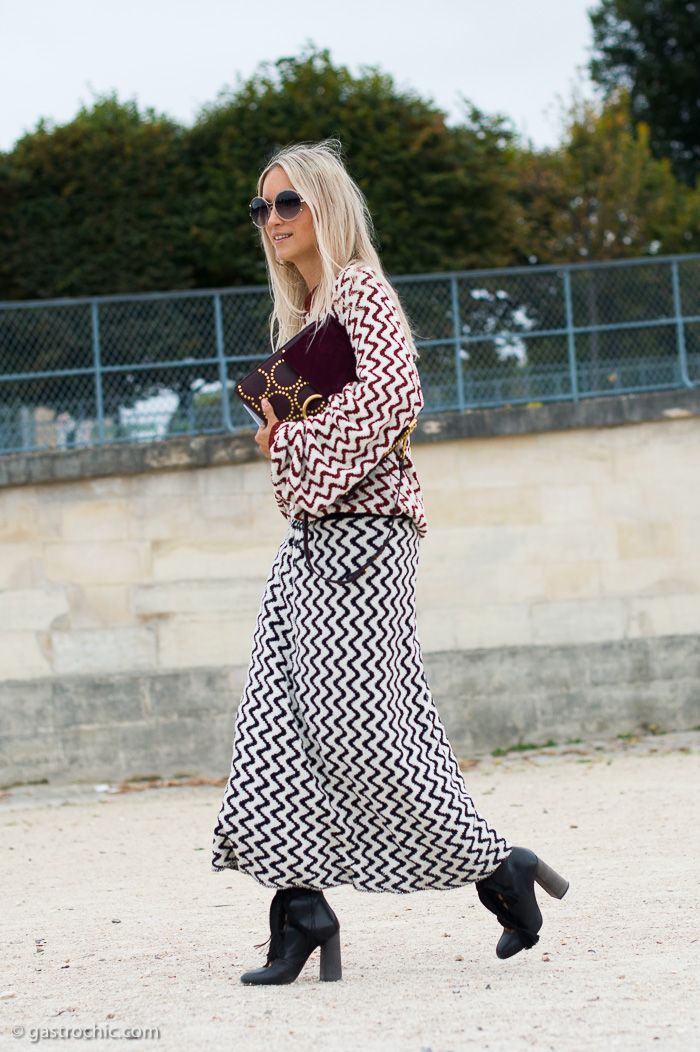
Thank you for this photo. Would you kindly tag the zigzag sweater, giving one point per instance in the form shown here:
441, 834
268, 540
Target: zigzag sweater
335, 461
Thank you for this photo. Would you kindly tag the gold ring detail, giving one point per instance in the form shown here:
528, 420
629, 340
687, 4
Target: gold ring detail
304, 409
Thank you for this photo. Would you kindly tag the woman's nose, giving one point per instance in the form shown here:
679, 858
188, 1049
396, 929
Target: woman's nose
273, 219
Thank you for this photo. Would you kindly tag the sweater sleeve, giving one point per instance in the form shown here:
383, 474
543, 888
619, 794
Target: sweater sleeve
317, 461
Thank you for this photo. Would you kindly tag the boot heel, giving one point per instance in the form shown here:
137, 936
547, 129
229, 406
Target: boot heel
550, 880
331, 967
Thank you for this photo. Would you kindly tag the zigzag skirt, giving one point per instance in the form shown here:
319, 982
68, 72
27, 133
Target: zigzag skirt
342, 772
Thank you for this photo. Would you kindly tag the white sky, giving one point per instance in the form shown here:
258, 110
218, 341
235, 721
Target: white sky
510, 56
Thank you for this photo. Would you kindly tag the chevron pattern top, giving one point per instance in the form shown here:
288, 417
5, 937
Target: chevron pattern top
336, 461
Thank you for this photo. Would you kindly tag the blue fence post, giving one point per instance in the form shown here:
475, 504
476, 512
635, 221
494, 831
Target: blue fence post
223, 372
457, 334
97, 363
680, 327
570, 335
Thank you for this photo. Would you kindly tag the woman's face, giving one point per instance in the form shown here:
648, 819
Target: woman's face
294, 241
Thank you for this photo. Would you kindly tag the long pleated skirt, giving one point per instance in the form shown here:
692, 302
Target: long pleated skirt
342, 772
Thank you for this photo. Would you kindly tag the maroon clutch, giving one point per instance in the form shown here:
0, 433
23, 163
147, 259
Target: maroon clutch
299, 378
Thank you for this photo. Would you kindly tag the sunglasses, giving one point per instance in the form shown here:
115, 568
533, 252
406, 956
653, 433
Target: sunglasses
287, 205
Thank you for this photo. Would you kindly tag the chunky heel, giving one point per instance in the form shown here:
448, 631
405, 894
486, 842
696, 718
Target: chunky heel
550, 880
300, 920
331, 967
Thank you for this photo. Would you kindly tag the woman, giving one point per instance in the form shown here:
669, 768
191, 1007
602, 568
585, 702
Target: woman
341, 771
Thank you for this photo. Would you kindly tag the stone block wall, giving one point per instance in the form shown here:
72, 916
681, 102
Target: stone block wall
562, 538
148, 571
546, 550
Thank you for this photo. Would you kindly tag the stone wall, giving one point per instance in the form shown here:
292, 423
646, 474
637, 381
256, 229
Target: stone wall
562, 538
555, 559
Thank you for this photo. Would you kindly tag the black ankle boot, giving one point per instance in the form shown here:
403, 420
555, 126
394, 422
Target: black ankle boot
300, 920
510, 893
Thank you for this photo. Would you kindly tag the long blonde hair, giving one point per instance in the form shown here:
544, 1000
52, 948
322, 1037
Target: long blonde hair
344, 232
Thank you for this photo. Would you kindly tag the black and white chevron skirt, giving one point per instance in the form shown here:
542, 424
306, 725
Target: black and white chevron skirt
342, 772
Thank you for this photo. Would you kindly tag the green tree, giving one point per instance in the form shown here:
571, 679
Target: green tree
602, 194
651, 47
99, 205
123, 201
439, 195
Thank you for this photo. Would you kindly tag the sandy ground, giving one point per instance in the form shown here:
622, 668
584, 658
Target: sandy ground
111, 917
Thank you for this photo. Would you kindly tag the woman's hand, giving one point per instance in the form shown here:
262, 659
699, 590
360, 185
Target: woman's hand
264, 434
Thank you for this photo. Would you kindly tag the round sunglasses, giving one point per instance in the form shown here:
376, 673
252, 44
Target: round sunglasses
288, 205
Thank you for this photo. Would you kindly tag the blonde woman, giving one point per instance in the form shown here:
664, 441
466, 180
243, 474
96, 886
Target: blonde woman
341, 771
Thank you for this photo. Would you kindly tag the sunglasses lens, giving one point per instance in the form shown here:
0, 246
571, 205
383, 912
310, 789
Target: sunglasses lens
259, 211
288, 204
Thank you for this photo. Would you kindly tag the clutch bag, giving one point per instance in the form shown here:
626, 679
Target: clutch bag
298, 379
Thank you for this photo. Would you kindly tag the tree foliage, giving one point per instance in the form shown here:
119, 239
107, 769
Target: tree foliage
120, 201
439, 195
98, 205
602, 194
651, 47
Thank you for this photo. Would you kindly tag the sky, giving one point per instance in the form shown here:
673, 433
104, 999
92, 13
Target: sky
520, 58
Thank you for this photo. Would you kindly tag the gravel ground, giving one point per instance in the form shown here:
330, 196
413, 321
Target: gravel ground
112, 917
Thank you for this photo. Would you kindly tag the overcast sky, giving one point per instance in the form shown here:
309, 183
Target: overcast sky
510, 56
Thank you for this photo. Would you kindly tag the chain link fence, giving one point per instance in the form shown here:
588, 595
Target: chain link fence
142, 368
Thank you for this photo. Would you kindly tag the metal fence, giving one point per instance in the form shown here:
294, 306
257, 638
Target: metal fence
139, 368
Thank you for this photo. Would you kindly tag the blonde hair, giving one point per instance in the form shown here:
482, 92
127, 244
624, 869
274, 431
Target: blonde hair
344, 232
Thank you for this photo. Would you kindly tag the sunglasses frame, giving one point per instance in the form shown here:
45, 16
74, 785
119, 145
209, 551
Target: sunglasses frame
272, 205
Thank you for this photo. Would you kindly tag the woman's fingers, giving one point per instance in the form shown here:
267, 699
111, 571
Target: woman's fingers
269, 412
262, 436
